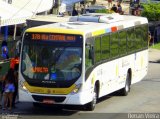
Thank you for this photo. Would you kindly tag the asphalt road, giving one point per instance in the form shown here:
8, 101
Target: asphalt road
143, 99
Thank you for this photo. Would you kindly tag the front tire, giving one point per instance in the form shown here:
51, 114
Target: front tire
91, 106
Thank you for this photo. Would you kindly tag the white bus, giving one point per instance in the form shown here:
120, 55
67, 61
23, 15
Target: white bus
77, 62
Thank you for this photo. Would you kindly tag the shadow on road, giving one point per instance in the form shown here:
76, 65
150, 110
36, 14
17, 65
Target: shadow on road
158, 61
117, 93
29, 110
151, 80
50, 111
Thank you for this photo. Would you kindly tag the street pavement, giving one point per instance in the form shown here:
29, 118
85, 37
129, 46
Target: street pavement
154, 55
154, 65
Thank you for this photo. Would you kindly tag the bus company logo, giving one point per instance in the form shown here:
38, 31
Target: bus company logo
49, 91
53, 91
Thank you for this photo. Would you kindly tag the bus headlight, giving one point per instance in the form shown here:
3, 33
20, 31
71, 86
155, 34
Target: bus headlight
76, 89
22, 86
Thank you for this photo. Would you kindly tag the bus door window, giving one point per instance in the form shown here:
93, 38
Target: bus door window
27, 64
89, 55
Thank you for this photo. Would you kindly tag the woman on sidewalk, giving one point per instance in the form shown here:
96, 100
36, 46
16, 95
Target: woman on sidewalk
9, 88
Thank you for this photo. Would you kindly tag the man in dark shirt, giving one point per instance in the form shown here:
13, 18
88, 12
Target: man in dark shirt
74, 12
114, 8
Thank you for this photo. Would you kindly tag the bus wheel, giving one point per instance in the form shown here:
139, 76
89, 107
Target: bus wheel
91, 106
126, 89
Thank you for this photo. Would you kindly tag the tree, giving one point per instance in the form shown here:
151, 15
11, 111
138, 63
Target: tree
151, 11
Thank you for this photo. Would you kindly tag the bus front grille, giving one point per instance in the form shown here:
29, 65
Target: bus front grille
55, 98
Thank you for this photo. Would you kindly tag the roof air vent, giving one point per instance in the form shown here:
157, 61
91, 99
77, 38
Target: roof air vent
66, 25
101, 18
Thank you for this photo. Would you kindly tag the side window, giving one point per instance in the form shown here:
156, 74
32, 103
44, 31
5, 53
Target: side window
114, 45
97, 49
144, 35
138, 39
130, 40
88, 60
122, 43
105, 45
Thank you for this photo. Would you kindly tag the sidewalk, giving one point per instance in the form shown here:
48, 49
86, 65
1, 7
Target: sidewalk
153, 66
154, 55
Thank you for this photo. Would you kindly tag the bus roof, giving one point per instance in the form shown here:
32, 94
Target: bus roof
45, 19
94, 24
50, 18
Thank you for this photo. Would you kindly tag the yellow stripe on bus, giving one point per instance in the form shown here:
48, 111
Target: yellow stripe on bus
98, 32
43, 90
55, 30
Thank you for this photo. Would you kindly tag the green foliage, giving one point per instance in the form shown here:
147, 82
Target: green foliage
156, 46
151, 11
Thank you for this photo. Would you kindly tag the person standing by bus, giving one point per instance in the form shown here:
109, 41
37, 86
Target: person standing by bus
15, 94
9, 88
14, 64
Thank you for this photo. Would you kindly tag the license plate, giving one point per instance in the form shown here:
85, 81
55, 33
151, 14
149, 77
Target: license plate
47, 101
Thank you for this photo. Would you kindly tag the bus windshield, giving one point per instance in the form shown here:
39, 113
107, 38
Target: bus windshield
51, 64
